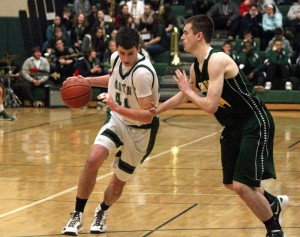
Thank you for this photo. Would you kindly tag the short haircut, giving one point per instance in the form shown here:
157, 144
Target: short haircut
202, 23
127, 38
36, 49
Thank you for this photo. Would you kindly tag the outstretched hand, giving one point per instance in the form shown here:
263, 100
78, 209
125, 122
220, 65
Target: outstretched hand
182, 81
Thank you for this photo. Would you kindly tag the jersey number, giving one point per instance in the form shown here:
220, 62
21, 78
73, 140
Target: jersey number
119, 102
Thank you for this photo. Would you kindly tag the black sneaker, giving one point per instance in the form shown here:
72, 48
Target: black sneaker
276, 233
279, 206
74, 226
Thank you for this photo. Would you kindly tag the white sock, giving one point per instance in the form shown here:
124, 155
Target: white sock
1, 108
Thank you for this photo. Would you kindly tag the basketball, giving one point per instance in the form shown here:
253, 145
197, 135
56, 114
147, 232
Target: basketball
76, 92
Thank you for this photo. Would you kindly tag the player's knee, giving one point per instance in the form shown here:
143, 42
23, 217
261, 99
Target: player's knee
238, 188
229, 186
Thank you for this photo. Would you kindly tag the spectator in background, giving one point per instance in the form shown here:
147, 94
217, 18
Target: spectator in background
294, 26
35, 73
67, 21
279, 35
201, 6
90, 65
245, 7
62, 60
101, 23
277, 65
247, 37
112, 47
227, 48
146, 21
251, 21
92, 17
169, 19
225, 15
136, 9
159, 41
58, 34
78, 31
123, 18
271, 20
251, 65
82, 6
57, 22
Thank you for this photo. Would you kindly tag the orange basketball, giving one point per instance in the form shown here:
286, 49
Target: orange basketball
76, 92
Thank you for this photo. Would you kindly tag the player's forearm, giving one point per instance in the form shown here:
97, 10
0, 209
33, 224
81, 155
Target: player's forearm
171, 103
204, 103
100, 81
141, 115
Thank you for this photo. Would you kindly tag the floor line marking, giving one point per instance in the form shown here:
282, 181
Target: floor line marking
98, 178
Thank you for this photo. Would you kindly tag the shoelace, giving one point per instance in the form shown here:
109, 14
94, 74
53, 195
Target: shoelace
98, 218
75, 218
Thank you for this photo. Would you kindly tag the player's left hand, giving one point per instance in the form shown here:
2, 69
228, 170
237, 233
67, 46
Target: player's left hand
107, 99
182, 81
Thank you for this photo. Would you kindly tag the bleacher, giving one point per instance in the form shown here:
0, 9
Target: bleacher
282, 98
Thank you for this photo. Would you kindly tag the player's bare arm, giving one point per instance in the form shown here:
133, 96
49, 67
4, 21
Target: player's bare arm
144, 114
100, 81
210, 103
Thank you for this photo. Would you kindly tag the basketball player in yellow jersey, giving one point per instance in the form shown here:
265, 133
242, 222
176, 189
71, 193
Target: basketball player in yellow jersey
247, 138
132, 88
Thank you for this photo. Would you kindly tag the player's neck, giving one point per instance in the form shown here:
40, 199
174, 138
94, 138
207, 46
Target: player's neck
201, 52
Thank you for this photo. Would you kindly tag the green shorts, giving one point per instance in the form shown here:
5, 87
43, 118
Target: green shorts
247, 150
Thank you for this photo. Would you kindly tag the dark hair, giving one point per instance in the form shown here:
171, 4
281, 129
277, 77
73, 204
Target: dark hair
227, 42
202, 23
35, 49
127, 38
87, 52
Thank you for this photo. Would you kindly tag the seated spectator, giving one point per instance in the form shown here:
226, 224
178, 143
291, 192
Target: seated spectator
97, 40
225, 15
123, 18
159, 41
285, 43
50, 31
67, 21
58, 34
102, 23
251, 21
227, 48
78, 31
145, 22
92, 17
62, 60
201, 6
82, 6
136, 9
247, 37
35, 73
4, 116
251, 65
293, 28
271, 20
169, 19
90, 65
245, 7
112, 47
277, 67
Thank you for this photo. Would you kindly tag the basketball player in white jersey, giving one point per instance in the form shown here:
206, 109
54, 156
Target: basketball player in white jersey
132, 90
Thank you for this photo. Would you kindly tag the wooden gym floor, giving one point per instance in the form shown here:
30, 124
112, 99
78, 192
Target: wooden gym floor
177, 192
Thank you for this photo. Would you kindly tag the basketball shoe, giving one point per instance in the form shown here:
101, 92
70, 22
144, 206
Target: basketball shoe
74, 225
276, 233
99, 223
5, 116
279, 206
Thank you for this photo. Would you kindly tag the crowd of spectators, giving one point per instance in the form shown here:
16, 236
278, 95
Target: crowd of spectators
81, 40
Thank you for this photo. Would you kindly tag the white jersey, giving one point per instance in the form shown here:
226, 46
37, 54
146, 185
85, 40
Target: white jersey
126, 85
